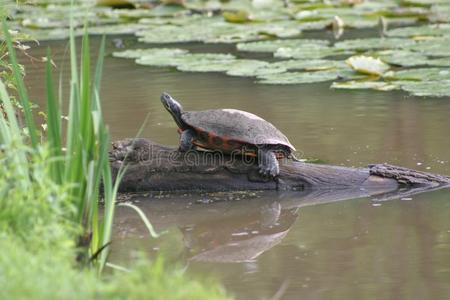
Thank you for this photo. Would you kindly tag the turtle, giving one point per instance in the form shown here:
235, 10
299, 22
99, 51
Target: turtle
231, 131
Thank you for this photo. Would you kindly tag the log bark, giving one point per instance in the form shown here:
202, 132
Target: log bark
154, 167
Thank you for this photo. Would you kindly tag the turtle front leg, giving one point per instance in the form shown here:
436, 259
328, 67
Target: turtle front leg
186, 138
268, 163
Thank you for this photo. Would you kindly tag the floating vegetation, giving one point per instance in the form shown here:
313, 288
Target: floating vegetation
310, 52
359, 85
274, 45
432, 47
419, 74
299, 77
430, 88
406, 58
420, 31
277, 31
309, 65
374, 43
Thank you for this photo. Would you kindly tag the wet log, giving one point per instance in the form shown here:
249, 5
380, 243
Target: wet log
154, 167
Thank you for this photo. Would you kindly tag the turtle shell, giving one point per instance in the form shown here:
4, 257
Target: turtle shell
229, 129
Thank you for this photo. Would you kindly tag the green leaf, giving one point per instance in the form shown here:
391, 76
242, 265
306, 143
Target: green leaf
431, 47
21, 90
425, 30
53, 125
138, 53
309, 52
309, 65
357, 85
374, 43
419, 74
274, 45
426, 89
298, 77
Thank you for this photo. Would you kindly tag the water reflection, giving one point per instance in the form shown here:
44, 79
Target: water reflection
313, 245
246, 237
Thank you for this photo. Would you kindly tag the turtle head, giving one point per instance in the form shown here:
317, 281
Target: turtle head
174, 108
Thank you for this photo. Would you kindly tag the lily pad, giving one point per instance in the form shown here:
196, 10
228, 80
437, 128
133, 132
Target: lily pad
309, 52
137, 53
367, 65
309, 65
419, 74
430, 88
298, 77
251, 67
374, 43
203, 66
426, 30
361, 85
425, 2
167, 10
273, 45
185, 60
432, 47
407, 58
403, 58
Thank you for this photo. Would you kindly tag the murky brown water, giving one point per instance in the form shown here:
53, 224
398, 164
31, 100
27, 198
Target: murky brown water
258, 244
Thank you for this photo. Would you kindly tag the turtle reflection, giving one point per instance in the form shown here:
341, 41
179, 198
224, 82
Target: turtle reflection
243, 239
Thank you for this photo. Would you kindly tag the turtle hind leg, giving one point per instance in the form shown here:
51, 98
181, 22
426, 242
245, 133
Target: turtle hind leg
268, 163
186, 138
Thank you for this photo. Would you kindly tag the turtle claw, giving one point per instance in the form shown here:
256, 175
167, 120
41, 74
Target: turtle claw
269, 169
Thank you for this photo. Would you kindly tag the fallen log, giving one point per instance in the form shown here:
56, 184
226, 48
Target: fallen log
154, 167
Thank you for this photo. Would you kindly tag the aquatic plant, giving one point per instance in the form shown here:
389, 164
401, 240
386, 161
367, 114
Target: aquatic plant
84, 164
50, 195
276, 29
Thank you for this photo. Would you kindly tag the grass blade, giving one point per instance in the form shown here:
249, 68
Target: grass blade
21, 90
144, 218
53, 125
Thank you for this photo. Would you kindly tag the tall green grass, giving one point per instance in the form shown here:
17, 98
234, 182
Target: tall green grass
78, 158
49, 199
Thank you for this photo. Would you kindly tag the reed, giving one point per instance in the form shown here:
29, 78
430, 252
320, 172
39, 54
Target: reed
78, 157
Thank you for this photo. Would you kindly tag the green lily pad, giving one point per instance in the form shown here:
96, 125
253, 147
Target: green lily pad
298, 77
251, 68
432, 47
273, 45
429, 88
440, 13
403, 58
113, 29
367, 65
203, 66
309, 65
407, 58
425, 2
426, 30
137, 53
309, 52
358, 85
185, 60
419, 74
167, 10
374, 43
171, 34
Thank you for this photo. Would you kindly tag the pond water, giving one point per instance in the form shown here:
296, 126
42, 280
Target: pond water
264, 245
